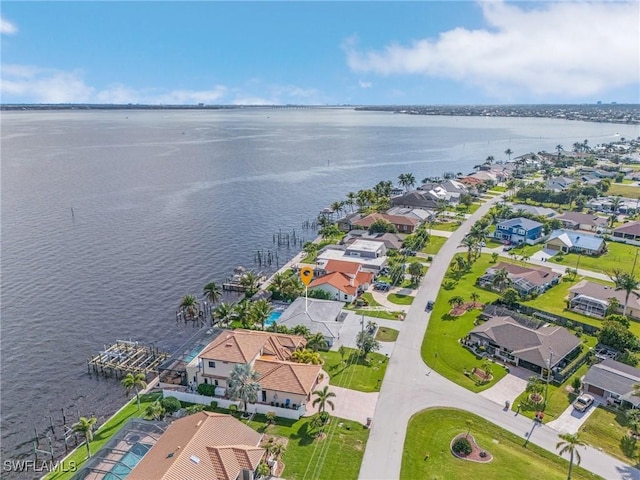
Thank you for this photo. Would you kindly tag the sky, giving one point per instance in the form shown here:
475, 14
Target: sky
319, 53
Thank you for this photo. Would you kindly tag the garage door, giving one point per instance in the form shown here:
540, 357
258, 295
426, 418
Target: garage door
595, 390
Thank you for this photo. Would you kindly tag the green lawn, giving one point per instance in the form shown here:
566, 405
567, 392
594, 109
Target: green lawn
104, 433
336, 455
619, 256
629, 191
605, 429
370, 300
400, 299
354, 372
446, 226
498, 189
440, 347
434, 245
379, 314
430, 433
385, 334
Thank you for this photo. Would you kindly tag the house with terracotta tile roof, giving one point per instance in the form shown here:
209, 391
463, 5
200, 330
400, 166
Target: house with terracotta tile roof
263, 351
402, 223
343, 280
204, 445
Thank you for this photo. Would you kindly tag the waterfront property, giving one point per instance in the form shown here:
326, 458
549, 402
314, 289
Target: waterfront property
392, 241
319, 316
518, 230
402, 224
590, 298
533, 349
281, 381
343, 280
347, 254
203, 445
526, 280
614, 382
567, 241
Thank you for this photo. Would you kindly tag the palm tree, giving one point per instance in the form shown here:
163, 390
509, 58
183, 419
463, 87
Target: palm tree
154, 410
260, 310
470, 243
242, 311
250, 281
189, 305
570, 442
317, 342
508, 152
559, 149
84, 426
456, 301
243, 384
137, 382
501, 279
490, 159
474, 297
615, 203
322, 399
351, 200
224, 313
336, 208
212, 292
627, 282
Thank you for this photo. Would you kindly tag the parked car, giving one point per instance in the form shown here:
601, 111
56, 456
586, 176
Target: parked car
507, 248
583, 402
429, 305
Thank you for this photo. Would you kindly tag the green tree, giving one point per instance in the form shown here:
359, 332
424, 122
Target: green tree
535, 387
136, 382
260, 311
189, 305
510, 296
243, 384
323, 399
223, 313
569, 444
382, 226
301, 330
242, 311
416, 270
155, 411
456, 301
615, 335
329, 231
195, 408
366, 343
317, 342
508, 152
624, 281
263, 470
343, 352
501, 279
212, 292
84, 426
250, 281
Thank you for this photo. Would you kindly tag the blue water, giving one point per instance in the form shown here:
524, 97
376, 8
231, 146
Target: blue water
273, 317
192, 354
166, 201
130, 460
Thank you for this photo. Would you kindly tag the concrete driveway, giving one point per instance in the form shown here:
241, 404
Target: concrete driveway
349, 404
509, 387
571, 420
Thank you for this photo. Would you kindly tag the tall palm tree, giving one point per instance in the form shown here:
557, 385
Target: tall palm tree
189, 305
250, 281
336, 208
154, 410
243, 384
260, 310
470, 243
212, 292
615, 203
84, 426
570, 443
627, 282
501, 279
137, 382
559, 149
490, 159
224, 313
316, 342
508, 152
351, 200
242, 311
322, 399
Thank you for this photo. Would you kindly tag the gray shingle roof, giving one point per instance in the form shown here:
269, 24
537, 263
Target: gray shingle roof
614, 377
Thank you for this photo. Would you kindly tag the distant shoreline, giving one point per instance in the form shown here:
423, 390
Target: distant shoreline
625, 114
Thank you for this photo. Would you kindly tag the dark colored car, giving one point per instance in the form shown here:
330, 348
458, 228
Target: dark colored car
429, 305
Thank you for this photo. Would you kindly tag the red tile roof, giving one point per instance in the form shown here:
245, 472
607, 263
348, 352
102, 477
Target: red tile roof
337, 280
393, 219
342, 266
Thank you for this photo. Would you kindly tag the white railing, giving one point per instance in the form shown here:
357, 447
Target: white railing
226, 403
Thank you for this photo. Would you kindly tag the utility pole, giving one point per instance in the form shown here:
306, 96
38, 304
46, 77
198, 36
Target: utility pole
546, 390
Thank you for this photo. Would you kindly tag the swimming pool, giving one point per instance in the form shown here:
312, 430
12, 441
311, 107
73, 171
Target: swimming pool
128, 462
273, 317
193, 353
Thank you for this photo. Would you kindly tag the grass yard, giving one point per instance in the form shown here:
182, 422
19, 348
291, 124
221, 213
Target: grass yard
606, 429
354, 372
619, 256
498, 189
379, 314
434, 245
628, 191
104, 433
440, 348
400, 299
431, 431
385, 334
446, 226
338, 455
370, 300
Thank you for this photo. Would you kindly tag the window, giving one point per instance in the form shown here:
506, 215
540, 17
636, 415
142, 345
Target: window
215, 382
346, 297
212, 364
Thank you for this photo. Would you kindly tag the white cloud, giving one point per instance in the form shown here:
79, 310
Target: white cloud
7, 28
573, 49
364, 84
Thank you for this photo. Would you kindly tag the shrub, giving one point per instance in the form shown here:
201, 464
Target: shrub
576, 384
206, 389
462, 446
213, 404
171, 404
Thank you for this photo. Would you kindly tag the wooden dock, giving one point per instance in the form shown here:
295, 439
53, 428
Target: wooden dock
127, 357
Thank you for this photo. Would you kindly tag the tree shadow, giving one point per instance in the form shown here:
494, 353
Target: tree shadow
628, 445
304, 435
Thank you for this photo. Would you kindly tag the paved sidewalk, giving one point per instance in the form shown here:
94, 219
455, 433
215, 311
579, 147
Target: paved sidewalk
381, 298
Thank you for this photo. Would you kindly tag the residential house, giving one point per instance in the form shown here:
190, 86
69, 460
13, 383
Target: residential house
566, 241
415, 199
628, 231
402, 224
391, 241
583, 221
449, 190
519, 230
613, 381
204, 445
626, 206
366, 249
590, 298
345, 223
267, 353
418, 213
319, 316
339, 252
533, 210
558, 184
526, 280
343, 280
532, 349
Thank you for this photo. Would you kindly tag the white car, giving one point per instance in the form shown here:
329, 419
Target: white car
583, 402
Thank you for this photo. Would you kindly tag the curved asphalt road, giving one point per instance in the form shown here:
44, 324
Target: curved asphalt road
407, 389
